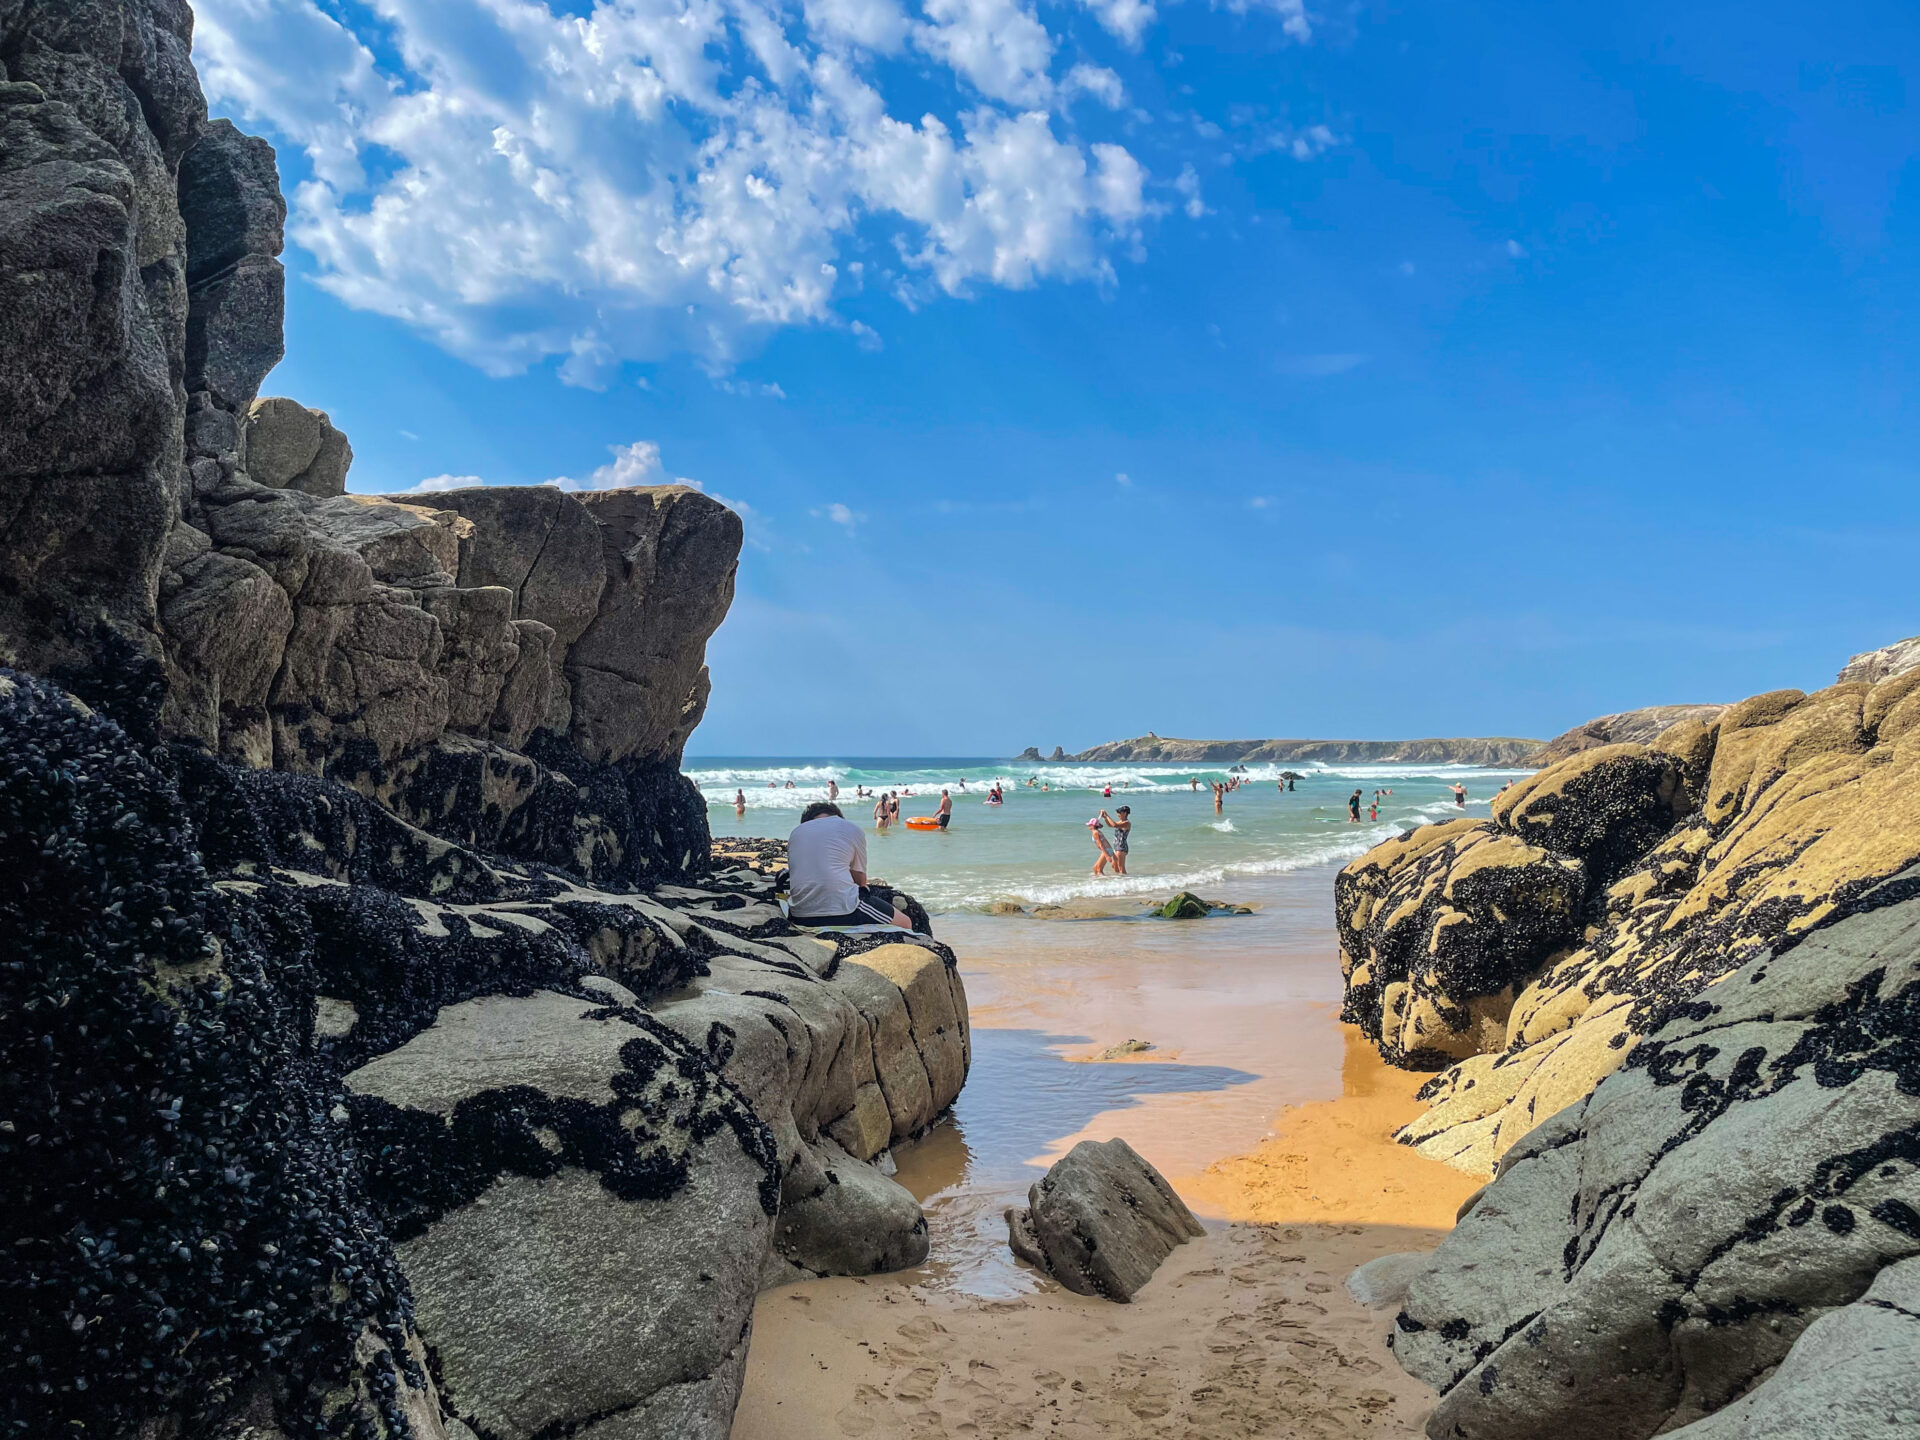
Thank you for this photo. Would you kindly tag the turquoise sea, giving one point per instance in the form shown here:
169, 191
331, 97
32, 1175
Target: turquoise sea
1035, 849
1240, 1011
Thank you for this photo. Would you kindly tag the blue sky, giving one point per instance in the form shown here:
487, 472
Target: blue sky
1270, 369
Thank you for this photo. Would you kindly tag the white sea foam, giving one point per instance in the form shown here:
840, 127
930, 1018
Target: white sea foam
1225, 827
1120, 886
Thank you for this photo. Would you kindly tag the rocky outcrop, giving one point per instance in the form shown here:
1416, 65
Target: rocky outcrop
1629, 727
1873, 666
1536, 949
1499, 751
152, 496
557, 1136
1742, 1194
1101, 1221
380, 1052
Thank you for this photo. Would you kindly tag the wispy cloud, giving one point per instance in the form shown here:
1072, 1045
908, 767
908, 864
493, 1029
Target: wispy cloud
845, 516
1187, 182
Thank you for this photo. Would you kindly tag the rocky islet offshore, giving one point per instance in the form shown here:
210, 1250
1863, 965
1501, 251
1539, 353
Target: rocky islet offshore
381, 1053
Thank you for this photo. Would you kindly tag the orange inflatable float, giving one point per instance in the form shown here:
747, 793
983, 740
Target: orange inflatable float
923, 822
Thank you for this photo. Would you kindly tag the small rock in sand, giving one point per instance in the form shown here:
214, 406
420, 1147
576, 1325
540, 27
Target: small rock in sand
1101, 1221
1124, 1049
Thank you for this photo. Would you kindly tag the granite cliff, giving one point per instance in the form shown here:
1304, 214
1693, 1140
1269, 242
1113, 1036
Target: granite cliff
1673, 994
381, 1053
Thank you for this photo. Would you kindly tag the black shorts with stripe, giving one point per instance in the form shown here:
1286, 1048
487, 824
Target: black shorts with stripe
875, 907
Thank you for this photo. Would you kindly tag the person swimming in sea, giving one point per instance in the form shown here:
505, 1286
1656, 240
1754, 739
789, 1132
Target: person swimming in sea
1373, 810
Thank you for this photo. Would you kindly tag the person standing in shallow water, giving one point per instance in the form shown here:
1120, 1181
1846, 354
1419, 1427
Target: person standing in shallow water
1122, 823
883, 811
1353, 808
739, 802
945, 812
1459, 794
1105, 857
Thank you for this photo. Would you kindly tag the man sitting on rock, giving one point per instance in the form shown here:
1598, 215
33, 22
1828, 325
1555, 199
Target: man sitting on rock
827, 874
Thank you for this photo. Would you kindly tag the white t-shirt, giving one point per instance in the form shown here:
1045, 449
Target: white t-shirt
821, 856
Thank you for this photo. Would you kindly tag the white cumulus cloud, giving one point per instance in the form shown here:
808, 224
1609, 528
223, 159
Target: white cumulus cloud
636, 463
614, 181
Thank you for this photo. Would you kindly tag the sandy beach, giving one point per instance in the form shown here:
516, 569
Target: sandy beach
1248, 1331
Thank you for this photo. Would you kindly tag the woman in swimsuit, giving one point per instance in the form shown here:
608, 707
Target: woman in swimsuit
883, 812
1122, 832
739, 802
1100, 839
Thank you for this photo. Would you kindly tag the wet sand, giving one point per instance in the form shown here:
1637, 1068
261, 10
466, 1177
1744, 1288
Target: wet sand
1246, 1332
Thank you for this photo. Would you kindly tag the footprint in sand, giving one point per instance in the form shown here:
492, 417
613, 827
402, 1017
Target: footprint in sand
917, 1384
857, 1419
922, 1330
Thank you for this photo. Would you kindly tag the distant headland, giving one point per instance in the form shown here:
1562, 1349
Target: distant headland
1496, 750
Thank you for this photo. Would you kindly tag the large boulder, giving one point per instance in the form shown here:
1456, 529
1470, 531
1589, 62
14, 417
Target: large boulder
1654, 1251
290, 447
1101, 1221
1796, 806
1438, 929
638, 670
581, 1208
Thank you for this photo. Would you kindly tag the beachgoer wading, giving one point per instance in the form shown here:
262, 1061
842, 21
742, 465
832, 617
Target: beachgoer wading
827, 870
1105, 857
945, 813
1122, 823
1353, 807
